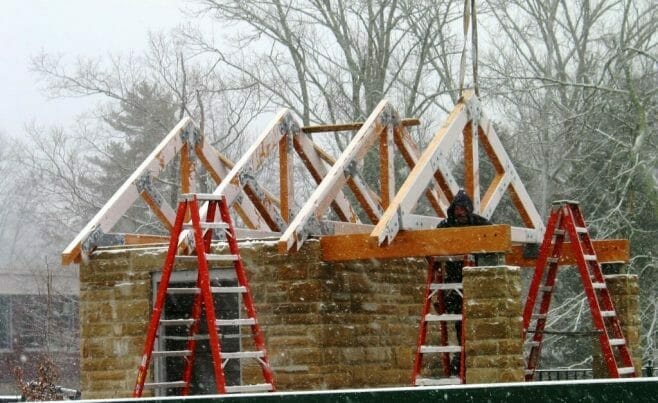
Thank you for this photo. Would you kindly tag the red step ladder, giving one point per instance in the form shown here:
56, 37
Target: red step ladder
566, 220
435, 287
203, 300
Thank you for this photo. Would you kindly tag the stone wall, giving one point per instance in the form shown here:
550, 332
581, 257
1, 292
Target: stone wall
327, 326
494, 324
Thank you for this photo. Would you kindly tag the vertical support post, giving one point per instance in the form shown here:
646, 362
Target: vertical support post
471, 164
387, 166
286, 177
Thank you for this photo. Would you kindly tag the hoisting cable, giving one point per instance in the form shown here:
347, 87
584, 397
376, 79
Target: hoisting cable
470, 18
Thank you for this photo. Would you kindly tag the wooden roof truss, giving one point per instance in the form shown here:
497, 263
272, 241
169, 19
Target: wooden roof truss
341, 187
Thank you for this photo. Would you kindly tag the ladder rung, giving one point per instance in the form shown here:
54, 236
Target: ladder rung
244, 354
533, 343
215, 290
209, 257
446, 317
589, 258
546, 288
438, 381
617, 342
235, 322
440, 349
446, 286
539, 316
626, 370
207, 225
222, 258
260, 387
598, 286
159, 385
608, 314
529, 372
559, 232
176, 322
552, 260
200, 196
172, 353
581, 230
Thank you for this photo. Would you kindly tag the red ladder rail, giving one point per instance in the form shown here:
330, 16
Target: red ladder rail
566, 219
204, 300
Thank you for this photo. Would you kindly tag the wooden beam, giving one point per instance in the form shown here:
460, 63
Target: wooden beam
451, 241
337, 176
352, 126
607, 251
126, 195
431, 242
418, 180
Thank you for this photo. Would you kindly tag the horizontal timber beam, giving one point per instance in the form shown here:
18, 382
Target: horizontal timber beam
431, 242
351, 126
607, 251
456, 241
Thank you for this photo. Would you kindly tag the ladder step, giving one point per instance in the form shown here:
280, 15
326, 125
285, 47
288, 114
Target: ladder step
446, 317
590, 258
172, 353
244, 354
438, 381
215, 290
533, 343
608, 314
207, 225
446, 286
552, 260
617, 342
260, 387
235, 322
200, 196
209, 257
539, 316
440, 349
581, 230
546, 288
626, 370
598, 286
161, 385
176, 322
559, 232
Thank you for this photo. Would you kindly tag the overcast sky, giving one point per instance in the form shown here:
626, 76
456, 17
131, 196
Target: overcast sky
69, 27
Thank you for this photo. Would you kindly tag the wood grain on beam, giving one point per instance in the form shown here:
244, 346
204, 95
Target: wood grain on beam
607, 251
351, 126
432, 242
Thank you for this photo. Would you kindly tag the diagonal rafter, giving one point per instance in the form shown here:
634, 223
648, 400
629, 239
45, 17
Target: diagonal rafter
465, 119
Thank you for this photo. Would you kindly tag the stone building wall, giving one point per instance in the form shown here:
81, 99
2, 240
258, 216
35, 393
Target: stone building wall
327, 326
494, 324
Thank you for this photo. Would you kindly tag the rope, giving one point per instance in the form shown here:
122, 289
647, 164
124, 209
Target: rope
470, 17
462, 64
474, 48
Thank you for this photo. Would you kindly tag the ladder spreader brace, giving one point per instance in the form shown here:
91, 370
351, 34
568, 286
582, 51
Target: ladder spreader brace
203, 300
435, 287
566, 220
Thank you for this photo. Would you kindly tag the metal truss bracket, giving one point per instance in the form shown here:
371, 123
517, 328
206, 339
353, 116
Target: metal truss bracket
145, 184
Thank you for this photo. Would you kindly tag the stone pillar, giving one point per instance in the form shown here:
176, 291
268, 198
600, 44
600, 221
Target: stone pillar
493, 324
625, 293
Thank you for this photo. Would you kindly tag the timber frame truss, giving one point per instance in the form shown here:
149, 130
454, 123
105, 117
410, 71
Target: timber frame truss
342, 203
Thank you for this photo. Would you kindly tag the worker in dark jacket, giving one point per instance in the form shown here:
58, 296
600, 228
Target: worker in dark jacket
460, 214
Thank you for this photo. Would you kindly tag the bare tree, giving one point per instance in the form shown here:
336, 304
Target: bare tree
577, 80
